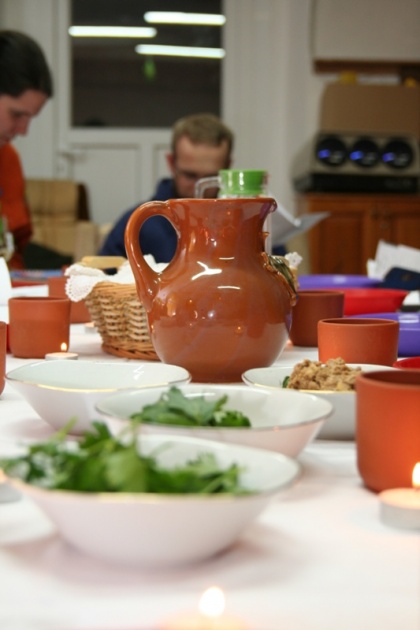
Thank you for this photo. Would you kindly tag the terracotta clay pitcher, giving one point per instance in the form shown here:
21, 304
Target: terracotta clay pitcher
220, 307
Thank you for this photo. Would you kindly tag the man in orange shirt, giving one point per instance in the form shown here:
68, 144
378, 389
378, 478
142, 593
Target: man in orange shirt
25, 86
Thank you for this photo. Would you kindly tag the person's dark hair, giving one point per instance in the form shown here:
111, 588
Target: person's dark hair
202, 129
22, 65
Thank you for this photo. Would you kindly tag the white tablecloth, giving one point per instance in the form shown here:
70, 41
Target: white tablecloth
317, 559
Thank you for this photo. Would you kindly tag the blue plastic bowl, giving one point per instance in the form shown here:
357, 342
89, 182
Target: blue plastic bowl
336, 281
409, 337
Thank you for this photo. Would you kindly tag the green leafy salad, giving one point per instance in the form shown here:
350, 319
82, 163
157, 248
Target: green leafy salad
101, 462
176, 409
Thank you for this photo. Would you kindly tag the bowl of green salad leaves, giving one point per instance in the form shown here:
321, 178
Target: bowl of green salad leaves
150, 501
284, 421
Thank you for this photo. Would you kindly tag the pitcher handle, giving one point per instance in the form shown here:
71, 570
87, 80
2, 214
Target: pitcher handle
146, 278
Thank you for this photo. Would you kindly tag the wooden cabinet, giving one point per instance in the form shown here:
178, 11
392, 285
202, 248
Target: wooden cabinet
344, 241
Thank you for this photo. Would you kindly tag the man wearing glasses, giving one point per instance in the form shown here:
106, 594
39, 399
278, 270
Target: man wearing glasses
201, 146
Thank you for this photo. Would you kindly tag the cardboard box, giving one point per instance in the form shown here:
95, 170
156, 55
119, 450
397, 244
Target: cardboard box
362, 108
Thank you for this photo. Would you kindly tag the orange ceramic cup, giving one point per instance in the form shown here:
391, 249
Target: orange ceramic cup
311, 306
79, 312
358, 340
3, 350
388, 427
38, 325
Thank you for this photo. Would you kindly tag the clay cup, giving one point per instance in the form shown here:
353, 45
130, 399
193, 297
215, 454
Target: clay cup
311, 306
79, 312
388, 427
358, 340
38, 325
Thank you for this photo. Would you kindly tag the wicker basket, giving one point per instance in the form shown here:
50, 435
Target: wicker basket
119, 317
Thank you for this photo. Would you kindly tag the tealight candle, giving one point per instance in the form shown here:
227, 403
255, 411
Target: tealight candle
61, 355
400, 507
51, 356
210, 616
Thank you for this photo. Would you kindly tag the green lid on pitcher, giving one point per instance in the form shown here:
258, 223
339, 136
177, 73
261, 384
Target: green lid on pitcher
242, 183
235, 183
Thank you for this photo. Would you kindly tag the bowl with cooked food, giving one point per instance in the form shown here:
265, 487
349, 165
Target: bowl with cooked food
333, 381
61, 390
282, 421
152, 502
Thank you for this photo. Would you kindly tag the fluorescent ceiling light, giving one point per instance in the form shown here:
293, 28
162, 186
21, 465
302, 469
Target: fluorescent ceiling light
180, 51
112, 31
178, 17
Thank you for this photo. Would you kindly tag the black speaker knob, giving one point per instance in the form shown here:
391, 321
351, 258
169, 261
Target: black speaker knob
397, 153
331, 151
365, 153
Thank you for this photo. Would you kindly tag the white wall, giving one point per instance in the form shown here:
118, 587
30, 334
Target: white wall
270, 95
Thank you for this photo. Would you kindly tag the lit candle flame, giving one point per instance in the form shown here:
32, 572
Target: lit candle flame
416, 476
63, 347
212, 602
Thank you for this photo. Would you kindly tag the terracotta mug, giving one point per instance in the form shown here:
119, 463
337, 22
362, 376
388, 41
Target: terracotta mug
358, 340
38, 325
388, 427
79, 313
311, 306
3, 351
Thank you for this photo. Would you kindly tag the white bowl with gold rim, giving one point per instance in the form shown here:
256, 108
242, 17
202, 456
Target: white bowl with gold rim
167, 530
62, 390
281, 421
340, 425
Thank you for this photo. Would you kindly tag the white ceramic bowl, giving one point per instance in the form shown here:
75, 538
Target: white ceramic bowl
341, 423
161, 530
61, 390
282, 421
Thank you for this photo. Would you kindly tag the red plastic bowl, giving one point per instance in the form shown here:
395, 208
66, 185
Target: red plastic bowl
409, 363
361, 301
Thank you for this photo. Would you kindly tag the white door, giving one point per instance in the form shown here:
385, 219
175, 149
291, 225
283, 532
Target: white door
119, 167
